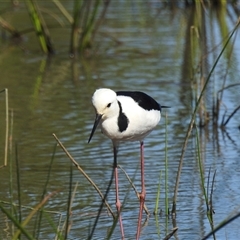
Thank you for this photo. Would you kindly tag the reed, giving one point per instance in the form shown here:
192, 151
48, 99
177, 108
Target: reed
18, 227
21, 226
192, 121
84, 20
40, 26
69, 205
19, 195
38, 221
155, 212
16, 223
6, 128
208, 202
224, 223
56, 229
174, 230
89, 22
166, 166
31, 214
224, 121
75, 27
63, 10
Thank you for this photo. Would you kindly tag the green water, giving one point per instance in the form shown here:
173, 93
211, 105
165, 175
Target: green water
53, 95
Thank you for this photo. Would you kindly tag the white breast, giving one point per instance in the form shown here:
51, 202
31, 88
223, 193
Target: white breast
140, 122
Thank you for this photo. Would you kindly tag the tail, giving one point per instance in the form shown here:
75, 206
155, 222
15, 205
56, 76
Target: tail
163, 107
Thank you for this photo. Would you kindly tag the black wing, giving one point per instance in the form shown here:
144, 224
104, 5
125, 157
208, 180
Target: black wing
143, 100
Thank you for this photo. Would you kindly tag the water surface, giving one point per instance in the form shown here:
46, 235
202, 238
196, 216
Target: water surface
54, 96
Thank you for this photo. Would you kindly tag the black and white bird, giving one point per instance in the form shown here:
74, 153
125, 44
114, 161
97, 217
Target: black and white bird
126, 116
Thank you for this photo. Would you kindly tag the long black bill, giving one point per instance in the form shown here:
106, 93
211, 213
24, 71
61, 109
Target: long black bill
97, 120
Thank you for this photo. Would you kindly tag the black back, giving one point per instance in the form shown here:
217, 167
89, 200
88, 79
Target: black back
143, 100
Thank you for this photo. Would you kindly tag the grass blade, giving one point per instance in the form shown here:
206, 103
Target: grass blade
155, 212
69, 203
16, 223
18, 186
166, 166
39, 218
7, 128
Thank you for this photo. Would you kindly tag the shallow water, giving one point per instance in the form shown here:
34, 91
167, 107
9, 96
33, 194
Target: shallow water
57, 100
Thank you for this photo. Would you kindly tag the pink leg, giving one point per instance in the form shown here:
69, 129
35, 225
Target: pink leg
143, 192
118, 203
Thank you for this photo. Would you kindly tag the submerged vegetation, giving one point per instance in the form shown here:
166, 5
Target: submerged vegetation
202, 57
86, 17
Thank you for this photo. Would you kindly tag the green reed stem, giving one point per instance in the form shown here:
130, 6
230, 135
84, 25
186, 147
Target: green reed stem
69, 202
7, 127
39, 218
158, 231
87, 33
75, 26
12, 206
205, 192
40, 26
58, 235
190, 126
101, 17
49, 171
155, 212
18, 186
201, 167
166, 166
37, 24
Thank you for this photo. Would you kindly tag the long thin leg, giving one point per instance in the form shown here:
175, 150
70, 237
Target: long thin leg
118, 203
143, 192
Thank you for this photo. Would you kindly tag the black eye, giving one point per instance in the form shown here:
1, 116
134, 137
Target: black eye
109, 105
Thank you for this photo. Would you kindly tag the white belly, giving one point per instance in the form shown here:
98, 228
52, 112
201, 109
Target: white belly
140, 123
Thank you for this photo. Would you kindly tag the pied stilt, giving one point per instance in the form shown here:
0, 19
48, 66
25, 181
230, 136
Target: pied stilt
126, 116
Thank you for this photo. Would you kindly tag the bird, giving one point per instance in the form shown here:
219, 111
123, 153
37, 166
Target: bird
126, 116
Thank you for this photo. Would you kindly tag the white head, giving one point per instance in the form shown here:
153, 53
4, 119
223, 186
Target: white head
105, 102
